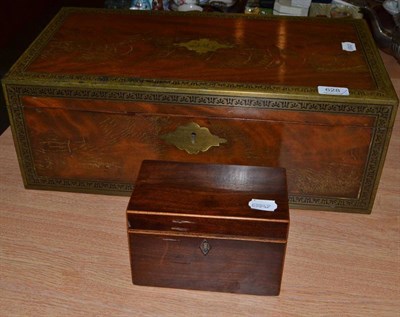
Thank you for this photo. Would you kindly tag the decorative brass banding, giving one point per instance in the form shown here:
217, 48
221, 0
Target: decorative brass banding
192, 138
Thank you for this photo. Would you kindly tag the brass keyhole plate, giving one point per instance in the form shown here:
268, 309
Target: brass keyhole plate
192, 138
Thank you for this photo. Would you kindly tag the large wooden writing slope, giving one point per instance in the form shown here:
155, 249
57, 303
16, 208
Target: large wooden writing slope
99, 91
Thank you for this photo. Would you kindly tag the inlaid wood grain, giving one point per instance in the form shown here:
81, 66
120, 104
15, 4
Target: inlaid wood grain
184, 47
324, 153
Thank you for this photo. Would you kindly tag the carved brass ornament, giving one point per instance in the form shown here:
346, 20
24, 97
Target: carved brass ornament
203, 45
192, 138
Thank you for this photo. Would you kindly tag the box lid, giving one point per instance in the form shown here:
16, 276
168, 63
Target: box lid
211, 54
213, 196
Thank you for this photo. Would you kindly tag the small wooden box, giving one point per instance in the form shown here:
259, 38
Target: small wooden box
190, 226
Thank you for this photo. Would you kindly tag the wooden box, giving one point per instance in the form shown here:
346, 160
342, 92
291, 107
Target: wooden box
101, 90
190, 226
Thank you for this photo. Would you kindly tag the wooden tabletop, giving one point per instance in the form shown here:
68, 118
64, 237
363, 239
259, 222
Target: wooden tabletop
66, 254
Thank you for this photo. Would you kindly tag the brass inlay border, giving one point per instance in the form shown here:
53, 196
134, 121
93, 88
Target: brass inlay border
383, 114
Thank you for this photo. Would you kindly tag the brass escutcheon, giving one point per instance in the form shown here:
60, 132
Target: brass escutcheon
205, 247
192, 138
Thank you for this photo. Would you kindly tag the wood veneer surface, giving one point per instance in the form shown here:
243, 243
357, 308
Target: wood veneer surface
154, 47
66, 254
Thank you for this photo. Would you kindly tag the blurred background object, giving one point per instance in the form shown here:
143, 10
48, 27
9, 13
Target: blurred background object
384, 23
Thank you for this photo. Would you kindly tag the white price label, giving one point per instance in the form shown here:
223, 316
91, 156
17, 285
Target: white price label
348, 46
338, 91
261, 204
